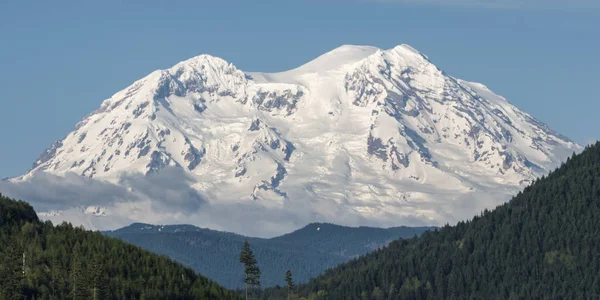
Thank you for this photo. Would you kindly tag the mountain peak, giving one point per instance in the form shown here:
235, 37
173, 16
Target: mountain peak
364, 133
354, 51
335, 59
203, 61
345, 59
407, 48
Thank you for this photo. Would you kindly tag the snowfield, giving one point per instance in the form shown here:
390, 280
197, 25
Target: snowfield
358, 136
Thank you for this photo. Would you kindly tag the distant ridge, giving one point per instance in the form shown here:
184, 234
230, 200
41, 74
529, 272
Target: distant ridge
307, 251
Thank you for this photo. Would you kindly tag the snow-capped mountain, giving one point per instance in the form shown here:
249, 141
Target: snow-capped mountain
383, 135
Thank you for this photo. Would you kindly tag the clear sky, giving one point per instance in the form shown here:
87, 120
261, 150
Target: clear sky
60, 59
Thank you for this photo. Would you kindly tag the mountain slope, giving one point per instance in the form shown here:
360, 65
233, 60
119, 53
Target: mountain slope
308, 251
359, 135
543, 244
62, 262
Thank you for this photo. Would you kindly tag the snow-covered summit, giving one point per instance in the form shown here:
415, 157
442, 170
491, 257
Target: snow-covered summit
336, 62
378, 135
335, 59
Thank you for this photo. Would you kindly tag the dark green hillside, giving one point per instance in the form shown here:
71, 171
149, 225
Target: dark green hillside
63, 262
543, 244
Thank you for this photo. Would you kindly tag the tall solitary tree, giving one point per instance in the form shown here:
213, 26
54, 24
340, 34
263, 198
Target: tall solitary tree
251, 270
290, 282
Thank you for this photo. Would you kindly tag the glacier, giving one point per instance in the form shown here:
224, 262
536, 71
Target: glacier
358, 136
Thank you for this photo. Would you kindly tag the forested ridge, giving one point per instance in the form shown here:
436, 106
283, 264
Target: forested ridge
542, 244
42, 261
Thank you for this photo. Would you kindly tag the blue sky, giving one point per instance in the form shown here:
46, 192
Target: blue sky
60, 59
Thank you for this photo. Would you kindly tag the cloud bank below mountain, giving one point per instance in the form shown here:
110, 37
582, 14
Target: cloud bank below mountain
166, 198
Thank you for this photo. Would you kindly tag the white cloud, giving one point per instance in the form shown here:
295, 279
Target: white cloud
162, 198
167, 198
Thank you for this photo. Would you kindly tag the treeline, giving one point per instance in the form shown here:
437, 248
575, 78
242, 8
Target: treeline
42, 261
543, 244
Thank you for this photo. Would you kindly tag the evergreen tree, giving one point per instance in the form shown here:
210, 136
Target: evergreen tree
251, 270
290, 282
79, 283
11, 271
378, 294
55, 277
392, 292
364, 295
99, 281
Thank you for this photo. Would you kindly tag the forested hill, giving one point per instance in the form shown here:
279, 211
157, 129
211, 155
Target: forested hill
543, 244
308, 251
63, 262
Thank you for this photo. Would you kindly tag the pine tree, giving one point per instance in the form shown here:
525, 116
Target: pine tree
99, 281
322, 295
55, 276
290, 282
378, 294
392, 292
79, 283
251, 270
364, 295
11, 271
